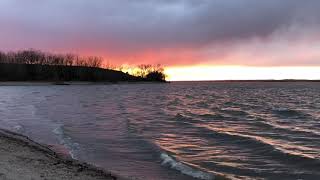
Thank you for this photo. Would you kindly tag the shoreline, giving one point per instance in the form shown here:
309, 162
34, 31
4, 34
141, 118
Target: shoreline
79, 83
21, 157
62, 83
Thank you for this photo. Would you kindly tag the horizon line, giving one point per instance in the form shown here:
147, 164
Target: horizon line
250, 80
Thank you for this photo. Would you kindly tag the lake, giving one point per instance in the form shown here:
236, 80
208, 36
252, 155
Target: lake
178, 130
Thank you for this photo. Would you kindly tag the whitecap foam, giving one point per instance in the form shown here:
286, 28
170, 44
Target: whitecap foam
18, 128
184, 169
66, 141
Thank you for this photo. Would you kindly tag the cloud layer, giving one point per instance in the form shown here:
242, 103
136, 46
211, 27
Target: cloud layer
171, 32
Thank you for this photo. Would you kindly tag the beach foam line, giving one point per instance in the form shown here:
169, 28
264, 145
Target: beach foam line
185, 169
66, 141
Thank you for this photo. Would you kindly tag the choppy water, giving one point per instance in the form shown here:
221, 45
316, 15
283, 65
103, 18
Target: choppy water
176, 130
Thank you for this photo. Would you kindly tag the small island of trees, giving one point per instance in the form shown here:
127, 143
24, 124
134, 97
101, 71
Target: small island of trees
35, 65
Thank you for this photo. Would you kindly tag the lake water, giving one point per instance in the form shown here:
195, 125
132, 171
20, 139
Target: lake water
178, 130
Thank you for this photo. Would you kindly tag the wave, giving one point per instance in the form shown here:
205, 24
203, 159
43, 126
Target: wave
191, 118
267, 148
287, 128
185, 169
12, 126
233, 112
215, 116
66, 141
183, 119
18, 128
288, 112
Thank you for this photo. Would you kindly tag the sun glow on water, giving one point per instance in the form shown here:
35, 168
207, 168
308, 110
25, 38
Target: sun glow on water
196, 73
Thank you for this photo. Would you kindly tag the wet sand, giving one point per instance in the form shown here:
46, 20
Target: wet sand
22, 158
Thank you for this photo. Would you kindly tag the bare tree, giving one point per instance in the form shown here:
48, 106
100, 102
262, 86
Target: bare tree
69, 59
3, 57
143, 70
94, 61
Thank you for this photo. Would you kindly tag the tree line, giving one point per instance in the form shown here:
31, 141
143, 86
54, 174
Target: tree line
57, 65
38, 57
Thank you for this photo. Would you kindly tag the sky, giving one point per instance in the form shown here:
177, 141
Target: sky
193, 39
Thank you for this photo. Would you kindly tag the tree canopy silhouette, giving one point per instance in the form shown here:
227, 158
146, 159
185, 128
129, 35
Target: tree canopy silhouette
34, 65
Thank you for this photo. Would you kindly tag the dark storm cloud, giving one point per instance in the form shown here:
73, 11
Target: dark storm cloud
131, 27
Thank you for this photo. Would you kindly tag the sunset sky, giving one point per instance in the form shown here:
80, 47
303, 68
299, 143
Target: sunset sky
193, 39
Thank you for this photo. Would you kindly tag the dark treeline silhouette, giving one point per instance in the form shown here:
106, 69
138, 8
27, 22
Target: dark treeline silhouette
34, 65
37, 57
37, 72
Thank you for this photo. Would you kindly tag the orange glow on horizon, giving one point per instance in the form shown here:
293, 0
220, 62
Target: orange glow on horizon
205, 72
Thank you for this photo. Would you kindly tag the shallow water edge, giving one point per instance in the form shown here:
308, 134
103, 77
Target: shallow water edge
61, 157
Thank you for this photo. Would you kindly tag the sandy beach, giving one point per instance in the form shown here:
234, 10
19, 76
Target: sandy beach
24, 159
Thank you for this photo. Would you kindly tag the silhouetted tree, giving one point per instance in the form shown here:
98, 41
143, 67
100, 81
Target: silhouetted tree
69, 59
151, 72
143, 70
94, 61
37, 57
2, 57
156, 76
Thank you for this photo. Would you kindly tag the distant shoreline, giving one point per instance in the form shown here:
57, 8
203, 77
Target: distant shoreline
284, 80
13, 72
50, 83
61, 83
